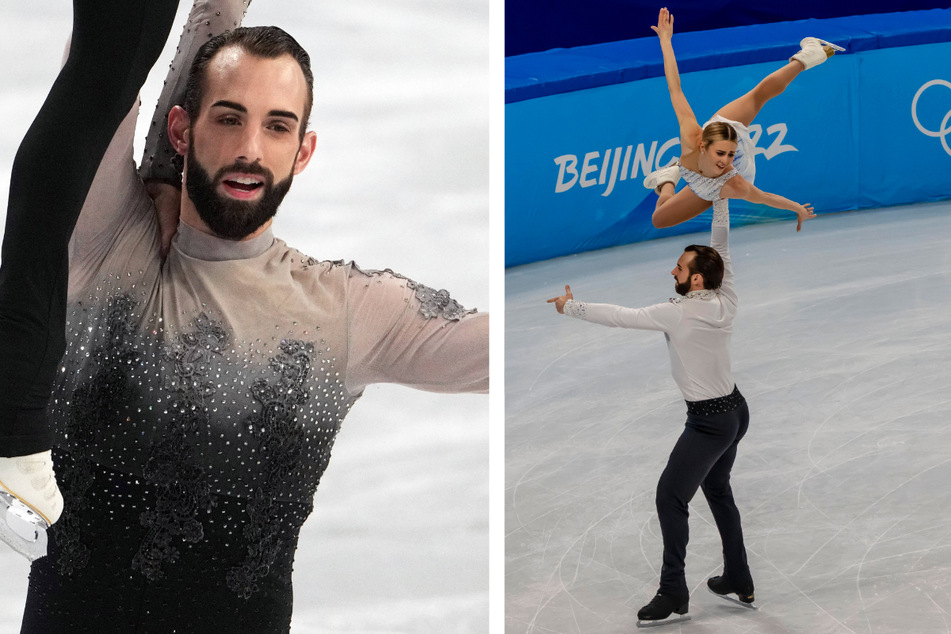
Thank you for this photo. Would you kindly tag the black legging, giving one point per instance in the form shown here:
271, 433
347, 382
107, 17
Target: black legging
114, 45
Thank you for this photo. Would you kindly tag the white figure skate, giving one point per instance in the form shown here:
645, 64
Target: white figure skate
669, 174
814, 51
30, 502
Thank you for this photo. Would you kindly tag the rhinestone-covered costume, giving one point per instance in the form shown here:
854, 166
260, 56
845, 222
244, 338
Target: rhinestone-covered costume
698, 328
744, 164
198, 402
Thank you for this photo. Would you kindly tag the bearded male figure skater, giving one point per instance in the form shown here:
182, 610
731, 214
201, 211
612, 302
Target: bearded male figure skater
698, 327
200, 393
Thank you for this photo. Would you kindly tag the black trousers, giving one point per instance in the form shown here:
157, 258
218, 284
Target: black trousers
114, 45
703, 458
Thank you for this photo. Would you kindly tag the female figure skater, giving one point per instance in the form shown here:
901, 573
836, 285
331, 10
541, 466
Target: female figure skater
717, 160
114, 44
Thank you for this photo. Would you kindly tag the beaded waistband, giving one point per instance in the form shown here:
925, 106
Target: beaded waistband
718, 405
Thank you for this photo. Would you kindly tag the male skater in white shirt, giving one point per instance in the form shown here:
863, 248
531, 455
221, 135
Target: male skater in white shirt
698, 327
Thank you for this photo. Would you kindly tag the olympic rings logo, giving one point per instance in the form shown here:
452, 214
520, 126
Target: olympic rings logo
944, 128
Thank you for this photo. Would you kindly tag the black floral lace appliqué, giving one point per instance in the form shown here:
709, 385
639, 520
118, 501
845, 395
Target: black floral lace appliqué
432, 303
281, 443
435, 303
96, 404
183, 491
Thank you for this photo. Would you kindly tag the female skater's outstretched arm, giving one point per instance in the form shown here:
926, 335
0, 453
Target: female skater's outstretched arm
690, 130
739, 187
707, 153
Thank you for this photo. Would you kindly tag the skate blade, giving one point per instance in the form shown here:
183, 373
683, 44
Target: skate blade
726, 597
22, 528
668, 621
834, 47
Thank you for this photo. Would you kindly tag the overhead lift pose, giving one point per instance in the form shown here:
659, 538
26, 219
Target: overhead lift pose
717, 163
698, 326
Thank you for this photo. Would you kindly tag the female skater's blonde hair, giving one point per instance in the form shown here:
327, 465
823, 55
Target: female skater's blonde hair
717, 131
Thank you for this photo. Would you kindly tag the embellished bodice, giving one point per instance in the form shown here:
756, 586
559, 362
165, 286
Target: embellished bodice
213, 389
242, 368
195, 372
703, 186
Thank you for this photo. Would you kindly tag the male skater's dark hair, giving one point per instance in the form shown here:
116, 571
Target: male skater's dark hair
268, 42
708, 263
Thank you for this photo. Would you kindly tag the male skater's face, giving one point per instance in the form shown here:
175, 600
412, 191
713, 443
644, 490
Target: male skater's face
682, 274
234, 216
245, 144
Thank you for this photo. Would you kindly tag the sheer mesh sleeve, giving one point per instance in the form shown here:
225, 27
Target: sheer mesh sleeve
407, 333
207, 19
663, 317
720, 240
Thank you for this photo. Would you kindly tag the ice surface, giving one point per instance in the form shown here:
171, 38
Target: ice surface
399, 538
840, 346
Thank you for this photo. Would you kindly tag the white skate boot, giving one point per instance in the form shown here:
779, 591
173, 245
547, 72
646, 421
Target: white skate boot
669, 174
30, 502
814, 52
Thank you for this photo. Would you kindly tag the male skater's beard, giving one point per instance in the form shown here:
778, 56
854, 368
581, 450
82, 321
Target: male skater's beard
227, 217
682, 288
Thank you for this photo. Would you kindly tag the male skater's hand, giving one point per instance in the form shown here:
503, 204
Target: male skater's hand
560, 301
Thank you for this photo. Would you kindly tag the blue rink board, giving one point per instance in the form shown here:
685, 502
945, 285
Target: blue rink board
542, 25
844, 135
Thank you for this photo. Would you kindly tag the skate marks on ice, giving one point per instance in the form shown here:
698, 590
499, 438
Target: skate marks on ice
673, 619
732, 601
841, 349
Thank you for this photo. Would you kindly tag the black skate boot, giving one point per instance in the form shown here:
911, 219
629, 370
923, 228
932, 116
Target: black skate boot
660, 610
721, 588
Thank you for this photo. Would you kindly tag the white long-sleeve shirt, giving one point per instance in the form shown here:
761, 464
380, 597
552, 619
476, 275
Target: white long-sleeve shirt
698, 326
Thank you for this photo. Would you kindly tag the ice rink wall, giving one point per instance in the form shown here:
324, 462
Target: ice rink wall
583, 126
